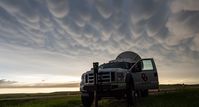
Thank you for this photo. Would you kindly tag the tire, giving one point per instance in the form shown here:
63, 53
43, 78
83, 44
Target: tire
144, 93
131, 94
131, 98
87, 99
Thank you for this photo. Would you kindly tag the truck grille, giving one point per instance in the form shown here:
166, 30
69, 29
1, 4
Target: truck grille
103, 77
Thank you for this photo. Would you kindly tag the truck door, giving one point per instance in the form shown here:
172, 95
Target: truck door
146, 76
149, 73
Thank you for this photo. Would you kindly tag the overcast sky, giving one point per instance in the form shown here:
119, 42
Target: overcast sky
55, 41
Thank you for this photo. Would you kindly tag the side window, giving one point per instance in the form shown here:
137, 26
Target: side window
147, 64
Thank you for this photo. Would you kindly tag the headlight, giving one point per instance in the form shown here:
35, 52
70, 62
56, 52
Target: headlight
84, 78
120, 76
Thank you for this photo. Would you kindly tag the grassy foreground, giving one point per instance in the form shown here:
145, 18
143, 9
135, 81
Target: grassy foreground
63, 99
186, 97
180, 98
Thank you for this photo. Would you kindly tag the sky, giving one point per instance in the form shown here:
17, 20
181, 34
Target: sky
55, 41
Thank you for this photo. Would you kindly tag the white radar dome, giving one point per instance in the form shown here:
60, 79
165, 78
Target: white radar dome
134, 57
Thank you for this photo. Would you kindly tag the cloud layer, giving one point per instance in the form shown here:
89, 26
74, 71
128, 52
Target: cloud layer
3, 81
64, 37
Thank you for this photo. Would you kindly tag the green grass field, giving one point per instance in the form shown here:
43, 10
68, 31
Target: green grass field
64, 99
181, 97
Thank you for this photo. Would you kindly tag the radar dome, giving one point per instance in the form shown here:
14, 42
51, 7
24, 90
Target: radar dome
134, 57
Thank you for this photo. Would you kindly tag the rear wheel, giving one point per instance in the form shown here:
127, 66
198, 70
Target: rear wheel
87, 99
144, 93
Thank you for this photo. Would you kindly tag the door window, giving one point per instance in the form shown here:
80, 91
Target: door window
147, 65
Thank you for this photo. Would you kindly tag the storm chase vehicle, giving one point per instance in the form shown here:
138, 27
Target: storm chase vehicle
125, 77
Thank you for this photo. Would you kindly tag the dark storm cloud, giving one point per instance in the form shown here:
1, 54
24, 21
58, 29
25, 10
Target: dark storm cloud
165, 30
6, 82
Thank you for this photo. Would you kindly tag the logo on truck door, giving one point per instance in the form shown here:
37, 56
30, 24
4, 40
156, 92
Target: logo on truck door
144, 77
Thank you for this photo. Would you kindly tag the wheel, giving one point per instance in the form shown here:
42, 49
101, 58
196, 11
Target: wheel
131, 97
131, 94
144, 93
87, 99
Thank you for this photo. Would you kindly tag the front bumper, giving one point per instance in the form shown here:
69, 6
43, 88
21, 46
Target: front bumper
116, 90
103, 87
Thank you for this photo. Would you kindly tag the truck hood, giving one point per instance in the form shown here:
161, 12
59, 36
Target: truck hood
109, 70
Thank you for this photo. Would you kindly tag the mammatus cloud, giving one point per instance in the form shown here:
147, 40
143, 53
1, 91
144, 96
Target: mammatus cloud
58, 8
181, 5
183, 24
64, 37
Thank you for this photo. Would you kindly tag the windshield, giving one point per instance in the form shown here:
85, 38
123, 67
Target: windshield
123, 65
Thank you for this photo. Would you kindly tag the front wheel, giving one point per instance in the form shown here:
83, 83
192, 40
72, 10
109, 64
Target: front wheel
87, 99
131, 97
